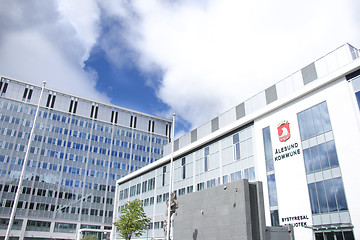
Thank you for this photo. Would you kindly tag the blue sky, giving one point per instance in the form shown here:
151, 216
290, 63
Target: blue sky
195, 58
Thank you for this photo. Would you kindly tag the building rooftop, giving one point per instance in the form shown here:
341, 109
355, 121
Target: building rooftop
328, 68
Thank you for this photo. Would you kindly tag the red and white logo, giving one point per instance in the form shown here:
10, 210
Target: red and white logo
283, 131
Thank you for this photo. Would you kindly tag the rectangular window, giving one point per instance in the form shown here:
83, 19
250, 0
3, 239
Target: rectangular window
144, 186
183, 167
151, 184
206, 163
25, 93
200, 186
163, 176
272, 190
327, 196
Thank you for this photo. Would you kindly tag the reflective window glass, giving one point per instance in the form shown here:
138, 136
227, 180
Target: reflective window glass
275, 218
309, 123
272, 190
325, 116
332, 154
315, 158
323, 156
330, 195
267, 143
340, 194
308, 161
322, 197
313, 198
317, 120
357, 94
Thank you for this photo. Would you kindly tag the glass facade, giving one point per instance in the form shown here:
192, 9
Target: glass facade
269, 161
73, 163
325, 185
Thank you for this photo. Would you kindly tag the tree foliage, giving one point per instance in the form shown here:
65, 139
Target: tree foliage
89, 237
132, 221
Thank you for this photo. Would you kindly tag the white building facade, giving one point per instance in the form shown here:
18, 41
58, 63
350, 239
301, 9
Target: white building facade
300, 137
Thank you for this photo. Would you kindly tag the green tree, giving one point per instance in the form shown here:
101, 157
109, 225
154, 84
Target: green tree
132, 221
89, 237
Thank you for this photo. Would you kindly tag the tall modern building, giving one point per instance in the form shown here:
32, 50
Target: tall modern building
79, 149
299, 137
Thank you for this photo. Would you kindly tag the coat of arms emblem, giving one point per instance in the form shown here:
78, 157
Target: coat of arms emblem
283, 131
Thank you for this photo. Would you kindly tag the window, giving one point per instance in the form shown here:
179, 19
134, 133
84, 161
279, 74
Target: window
133, 120
73, 105
327, 196
236, 146
183, 167
320, 157
181, 191
132, 191
270, 176
94, 111
346, 234
163, 176
151, 184
144, 186
314, 121
272, 190
206, 163
138, 188
235, 176
200, 186
51, 100
268, 149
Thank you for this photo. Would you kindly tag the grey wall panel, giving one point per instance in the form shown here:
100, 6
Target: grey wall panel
176, 145
215, 124
193, 135
271, 94
240, 111
309, 73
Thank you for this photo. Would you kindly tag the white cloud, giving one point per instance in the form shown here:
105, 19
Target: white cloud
49, 40
84, 16
207, 55
215, 54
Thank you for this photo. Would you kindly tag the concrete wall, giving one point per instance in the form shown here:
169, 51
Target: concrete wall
280, 233
231, 211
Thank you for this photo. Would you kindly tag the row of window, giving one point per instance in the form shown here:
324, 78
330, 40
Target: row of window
73, 106
320, 157
248, 173
327, 196
42, 226
143, 187
61, 194
65, 119
85, 147
52, 208
69, 169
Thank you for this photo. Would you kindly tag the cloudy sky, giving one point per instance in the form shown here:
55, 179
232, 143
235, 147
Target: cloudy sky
195, 58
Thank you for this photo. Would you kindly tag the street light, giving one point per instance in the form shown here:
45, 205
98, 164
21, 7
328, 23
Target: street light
171, 179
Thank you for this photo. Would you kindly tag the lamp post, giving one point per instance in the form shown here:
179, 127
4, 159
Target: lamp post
18, 191
171, 179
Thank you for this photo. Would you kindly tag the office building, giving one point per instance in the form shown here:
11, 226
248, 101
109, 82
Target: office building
299, 137
79, 148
